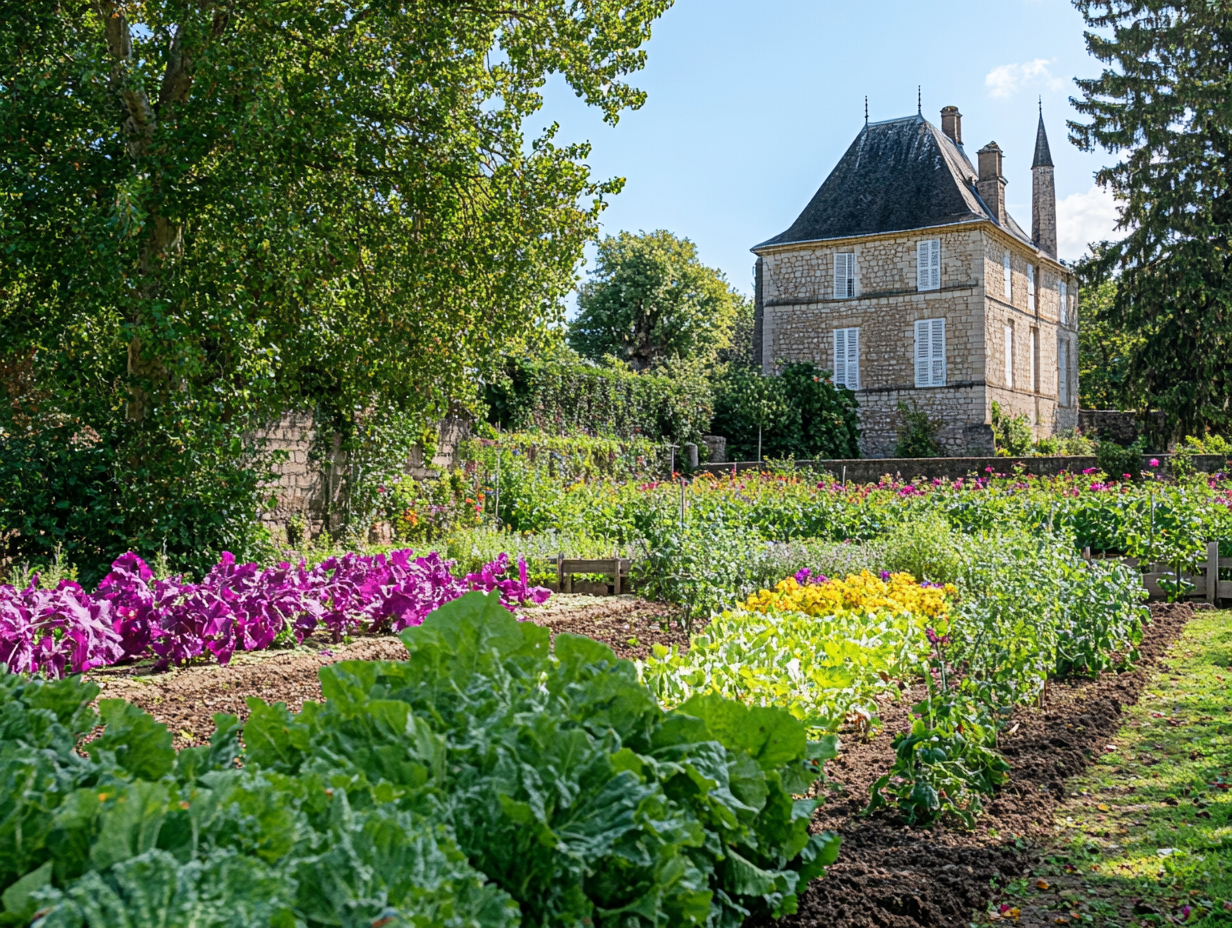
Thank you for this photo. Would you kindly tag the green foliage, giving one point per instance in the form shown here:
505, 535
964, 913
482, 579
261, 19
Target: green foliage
245, 209
1119, 462
800, 413
651, 300
917, 433
483, 783
90, 495
1012, 436
1104, 350
1158, 104
926, 548
562, 778
1070, 443
568, 397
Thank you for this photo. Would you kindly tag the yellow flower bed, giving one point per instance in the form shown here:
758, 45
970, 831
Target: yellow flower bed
901, 593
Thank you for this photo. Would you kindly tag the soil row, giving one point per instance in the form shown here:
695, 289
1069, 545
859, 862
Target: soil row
890, 875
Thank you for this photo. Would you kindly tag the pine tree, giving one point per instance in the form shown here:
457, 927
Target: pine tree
1164, 103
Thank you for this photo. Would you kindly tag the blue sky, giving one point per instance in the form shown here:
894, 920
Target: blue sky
752, 104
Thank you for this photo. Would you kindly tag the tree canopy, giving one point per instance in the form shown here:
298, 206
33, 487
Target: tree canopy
1164, 104
650, 300
214, 211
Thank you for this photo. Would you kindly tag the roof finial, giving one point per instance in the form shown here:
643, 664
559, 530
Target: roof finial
1041, 104
866, 109
919, 99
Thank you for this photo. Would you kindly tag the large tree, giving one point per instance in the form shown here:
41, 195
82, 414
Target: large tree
1104, 351
215, 210
651, 300
1164, 103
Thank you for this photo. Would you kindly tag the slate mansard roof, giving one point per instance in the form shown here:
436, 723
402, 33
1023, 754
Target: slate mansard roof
897, 176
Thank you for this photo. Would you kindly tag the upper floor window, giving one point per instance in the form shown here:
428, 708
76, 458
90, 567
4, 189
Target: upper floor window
930, 353
1063, 289
844, 275
1007, 277
847, 358
928, 264
1031, 287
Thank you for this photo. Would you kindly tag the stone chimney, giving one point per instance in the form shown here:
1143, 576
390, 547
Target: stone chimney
951, 124
991, 184
1043, 195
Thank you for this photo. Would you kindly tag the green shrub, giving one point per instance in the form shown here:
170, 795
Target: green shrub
1119, 462
927, 548
1011, 436
917, 433
801, 414
1069, 443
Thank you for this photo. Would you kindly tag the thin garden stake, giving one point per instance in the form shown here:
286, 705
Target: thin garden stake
759, 443
682, 505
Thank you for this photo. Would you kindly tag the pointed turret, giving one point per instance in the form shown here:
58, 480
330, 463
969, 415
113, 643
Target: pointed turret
1044, 195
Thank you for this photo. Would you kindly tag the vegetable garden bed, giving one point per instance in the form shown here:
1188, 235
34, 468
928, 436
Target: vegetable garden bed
891, 876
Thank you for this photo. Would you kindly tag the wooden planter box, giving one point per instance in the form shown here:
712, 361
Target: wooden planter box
1206, 585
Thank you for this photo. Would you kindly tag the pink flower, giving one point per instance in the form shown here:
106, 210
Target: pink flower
1091, 470
988, 470
1128, 476
1154, 462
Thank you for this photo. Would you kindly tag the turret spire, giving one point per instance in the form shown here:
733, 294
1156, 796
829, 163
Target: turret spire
1044, 197
1043, 155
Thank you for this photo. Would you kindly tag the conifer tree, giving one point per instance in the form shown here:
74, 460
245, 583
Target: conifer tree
1163, 104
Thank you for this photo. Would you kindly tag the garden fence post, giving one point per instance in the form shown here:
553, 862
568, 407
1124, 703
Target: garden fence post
1212, 572
616, 573
560, 572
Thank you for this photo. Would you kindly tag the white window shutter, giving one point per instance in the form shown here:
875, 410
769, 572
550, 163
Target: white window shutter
1007, 272
1031, 286
934, 265
1063, 371
1064, 291
840, 357
853, 359
938, 353
1009, 355
923, 255
923, 351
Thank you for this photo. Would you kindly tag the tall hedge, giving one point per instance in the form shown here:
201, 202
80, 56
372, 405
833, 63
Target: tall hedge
802, 414
569, 398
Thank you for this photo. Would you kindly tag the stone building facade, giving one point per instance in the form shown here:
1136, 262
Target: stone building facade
907, 278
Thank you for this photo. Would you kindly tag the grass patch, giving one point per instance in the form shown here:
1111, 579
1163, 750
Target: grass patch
1146, 835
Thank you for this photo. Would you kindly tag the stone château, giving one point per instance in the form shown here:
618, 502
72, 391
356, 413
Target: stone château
906, 275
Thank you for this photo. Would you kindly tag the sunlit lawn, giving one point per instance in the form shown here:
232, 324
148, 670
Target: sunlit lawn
1146, 837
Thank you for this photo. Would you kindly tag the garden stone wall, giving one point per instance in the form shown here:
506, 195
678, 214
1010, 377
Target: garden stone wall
309, 484
871, 470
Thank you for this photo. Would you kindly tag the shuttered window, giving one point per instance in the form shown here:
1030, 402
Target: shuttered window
1063, 370
1035, 360
930, 353
928, 264
844, 275
847, 358
1064, 292
1031, 286
1007, 274
1009, 355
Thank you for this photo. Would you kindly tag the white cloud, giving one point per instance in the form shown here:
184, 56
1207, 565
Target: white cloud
1083, 218
1004, 81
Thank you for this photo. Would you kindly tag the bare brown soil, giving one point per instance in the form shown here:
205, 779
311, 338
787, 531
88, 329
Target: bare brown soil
893, 876
186, 699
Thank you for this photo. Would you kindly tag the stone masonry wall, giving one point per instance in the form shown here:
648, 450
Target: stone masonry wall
800, 315
306, 484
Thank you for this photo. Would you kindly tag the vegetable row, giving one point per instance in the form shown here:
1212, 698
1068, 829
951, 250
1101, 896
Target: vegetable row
485, 782
134, 615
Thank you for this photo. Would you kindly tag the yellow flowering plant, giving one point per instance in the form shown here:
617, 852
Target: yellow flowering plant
863, 591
